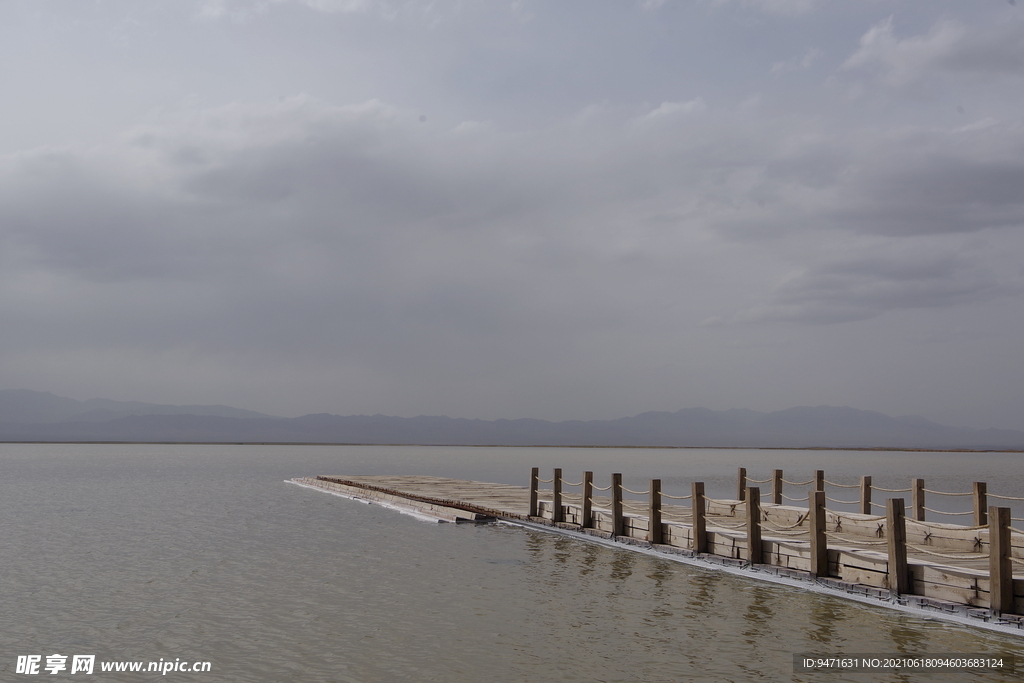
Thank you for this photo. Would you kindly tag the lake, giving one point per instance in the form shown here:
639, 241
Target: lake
203, 553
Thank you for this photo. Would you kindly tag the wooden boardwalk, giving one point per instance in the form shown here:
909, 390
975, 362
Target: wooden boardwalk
942, 567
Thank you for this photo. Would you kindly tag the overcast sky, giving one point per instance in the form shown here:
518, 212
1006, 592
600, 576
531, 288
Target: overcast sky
571, 209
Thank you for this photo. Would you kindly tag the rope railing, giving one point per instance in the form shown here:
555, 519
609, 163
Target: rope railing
940, 512
799, 521
842, 486
803, 521
935, 525
992, 495
948, 556
638, 493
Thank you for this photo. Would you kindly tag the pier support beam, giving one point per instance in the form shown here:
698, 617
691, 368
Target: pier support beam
754, 554
556, 496
896, 530
617, 526
776, 487
819, 542
980, 503
699, 541
865, 495
654, 513
534, 485
741, 483
917, 498
819, 480
587, 511
1000, 565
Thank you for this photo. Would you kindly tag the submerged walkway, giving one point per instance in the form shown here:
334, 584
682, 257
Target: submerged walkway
942, 568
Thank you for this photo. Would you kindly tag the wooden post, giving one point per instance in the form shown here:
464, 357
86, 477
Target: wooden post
654, 516
1000, 566
819, 542
556, 496
819, 480
917, 498
776, 487
896, 530
587, 514
700, 530
865, 495
980, 503
754, 555
741, 483
534, 484
617, 505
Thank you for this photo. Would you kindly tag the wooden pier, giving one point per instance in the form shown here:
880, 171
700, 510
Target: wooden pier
897, 557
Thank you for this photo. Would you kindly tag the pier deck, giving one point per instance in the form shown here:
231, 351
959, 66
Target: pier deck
947, 567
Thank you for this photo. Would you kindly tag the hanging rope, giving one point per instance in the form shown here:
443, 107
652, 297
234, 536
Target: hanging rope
759, 481
933, 525
945, 493
787, 533
795, 500
546, 481
846, 538
992, 495
568, 483
972, 556
799, 521
843, 502
727, 526
639, 493
665, 495
842, 486
879, 488
798, 483
603, 488
940, 512
634, 507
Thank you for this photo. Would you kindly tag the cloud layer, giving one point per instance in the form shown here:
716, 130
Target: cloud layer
736, 232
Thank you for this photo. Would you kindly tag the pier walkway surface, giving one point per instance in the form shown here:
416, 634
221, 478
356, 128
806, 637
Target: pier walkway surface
973, 574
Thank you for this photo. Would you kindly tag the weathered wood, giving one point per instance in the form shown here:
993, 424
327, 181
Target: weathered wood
617, 527
741, 483
819, 480
556, 495
754, 525
917, 499
980, 491
654, 532
776, 487
700, 536
587, 507
534, 485
899, 575
865, 495
1000, 565
819, 543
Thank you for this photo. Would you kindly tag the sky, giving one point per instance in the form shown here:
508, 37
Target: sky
582, 209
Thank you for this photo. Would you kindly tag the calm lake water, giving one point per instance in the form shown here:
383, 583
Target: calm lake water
155, 552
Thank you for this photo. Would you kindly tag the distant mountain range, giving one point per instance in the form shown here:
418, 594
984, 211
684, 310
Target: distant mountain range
39, 416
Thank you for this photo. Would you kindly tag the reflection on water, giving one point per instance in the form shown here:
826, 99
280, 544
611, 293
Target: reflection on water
134, 552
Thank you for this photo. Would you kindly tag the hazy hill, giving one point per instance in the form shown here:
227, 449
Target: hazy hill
37, 416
